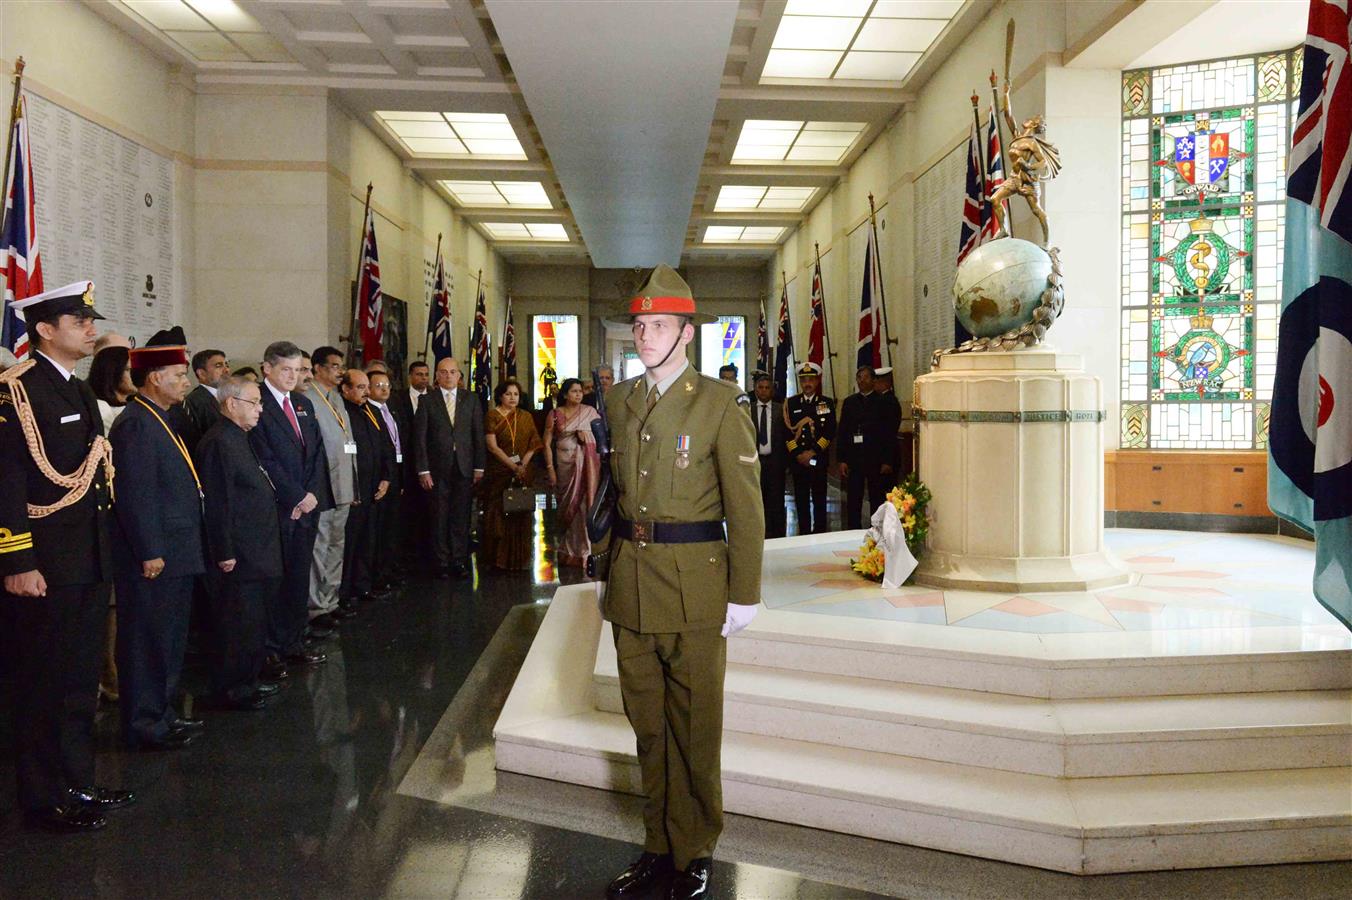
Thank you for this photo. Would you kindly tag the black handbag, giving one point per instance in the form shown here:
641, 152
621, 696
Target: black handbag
518, 499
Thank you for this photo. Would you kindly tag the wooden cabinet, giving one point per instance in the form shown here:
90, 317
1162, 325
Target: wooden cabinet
1230, 483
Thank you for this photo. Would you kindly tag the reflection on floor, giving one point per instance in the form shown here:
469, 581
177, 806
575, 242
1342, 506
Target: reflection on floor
303, 800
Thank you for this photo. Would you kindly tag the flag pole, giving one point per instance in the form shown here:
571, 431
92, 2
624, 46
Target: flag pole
436, 270
826, 329
9, 140
882, 291
356, 299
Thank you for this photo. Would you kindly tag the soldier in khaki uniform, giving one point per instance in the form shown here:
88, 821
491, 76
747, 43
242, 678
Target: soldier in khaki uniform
684, 461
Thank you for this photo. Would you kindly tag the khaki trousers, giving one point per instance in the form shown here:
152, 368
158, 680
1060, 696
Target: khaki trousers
672, 686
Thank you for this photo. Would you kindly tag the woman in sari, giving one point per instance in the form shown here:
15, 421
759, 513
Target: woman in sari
512, 440
574, 469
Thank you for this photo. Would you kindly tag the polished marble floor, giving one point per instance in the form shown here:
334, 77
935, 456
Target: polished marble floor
316, 796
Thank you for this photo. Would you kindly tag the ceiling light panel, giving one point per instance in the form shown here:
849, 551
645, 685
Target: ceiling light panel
735, 198
516, 194
168, 15
208, 46
815, 33
225, 15
736, 234
516, 231
851, 8
915, 9
855, 40
800, 63
764, 141
483, 135
913, 35
867, 66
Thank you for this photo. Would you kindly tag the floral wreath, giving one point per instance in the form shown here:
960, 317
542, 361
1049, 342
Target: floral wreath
911, 498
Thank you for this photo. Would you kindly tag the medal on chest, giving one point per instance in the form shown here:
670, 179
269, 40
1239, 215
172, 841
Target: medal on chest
682, 451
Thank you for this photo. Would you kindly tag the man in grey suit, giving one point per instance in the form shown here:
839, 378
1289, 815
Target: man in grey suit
326, 571
449, 453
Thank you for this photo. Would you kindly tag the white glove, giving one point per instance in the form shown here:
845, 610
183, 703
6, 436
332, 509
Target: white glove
739, 616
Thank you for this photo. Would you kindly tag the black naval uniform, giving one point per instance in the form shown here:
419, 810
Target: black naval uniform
159, 516
867, 442
375, 463
57, 639
809, 481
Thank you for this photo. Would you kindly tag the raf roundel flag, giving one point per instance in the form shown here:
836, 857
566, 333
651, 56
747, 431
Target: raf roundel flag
1310, 438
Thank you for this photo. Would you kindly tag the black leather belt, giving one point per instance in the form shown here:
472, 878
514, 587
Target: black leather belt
669, 532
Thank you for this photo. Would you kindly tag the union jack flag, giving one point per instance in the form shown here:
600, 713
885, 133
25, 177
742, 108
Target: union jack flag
483, 358
783, 347
995, 176
509, 343
816, 350
974, 203
870, 346
19, 237
370, 301
1310, 429
439, 315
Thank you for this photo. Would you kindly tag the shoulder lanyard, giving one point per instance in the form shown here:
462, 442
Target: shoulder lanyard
178, 442
366, 407
341, 423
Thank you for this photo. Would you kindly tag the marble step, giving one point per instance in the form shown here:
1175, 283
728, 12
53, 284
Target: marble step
1206, 661
1068, 738
1077, 825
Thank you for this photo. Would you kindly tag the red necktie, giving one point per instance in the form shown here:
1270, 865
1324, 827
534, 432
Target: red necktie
291, 416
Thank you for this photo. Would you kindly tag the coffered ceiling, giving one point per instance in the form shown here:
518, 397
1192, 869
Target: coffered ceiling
626, 132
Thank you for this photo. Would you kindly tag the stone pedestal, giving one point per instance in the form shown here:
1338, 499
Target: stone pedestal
1011, 446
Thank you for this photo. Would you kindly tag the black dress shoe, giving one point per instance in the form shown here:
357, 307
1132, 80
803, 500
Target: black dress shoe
376, 595
693, 883
67, 818
307, 658
324, 620
274, 670
174, 740
99, 798
315, 632
190, 725
641, 875
343, 612
267, 688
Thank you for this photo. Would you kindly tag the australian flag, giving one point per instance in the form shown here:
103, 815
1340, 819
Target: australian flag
439, 315
19, 237
370, 300
783, 347
762, 342
1310, 439
509, 343
483, 358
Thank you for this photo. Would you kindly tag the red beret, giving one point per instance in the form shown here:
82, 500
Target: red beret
143, 358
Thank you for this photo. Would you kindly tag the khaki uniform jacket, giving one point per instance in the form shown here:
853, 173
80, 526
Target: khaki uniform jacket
659, 588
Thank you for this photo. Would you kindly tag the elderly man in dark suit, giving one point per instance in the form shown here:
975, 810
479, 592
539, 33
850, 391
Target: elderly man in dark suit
767, 417
244, 548
449, 452
373, 477
55, 563
291, 451
157, 550
397, 431
202, 405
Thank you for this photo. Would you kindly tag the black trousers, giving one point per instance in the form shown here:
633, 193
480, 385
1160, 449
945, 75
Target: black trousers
772, 496
358, 550
57, 643
238, 613
865, 479
288, 611
453, 504
809, 497
152, 634
389, 525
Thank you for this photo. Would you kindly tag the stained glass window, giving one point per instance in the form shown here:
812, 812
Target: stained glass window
1203, 186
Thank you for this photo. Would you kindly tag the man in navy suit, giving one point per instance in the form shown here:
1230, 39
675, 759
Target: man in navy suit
291, 451
157, 550
449, 452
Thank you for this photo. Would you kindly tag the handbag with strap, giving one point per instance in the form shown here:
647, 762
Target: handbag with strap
518, 499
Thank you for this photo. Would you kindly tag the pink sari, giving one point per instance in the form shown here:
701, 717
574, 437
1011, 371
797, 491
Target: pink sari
579, 472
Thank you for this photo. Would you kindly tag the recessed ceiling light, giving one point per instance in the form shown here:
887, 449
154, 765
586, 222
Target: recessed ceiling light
867, 66
763, 140
800, 63
736, 234
855, 8
883, 39
460, 134
516, 231
733, 198
914, 35
915, 9
519, 194
814, 33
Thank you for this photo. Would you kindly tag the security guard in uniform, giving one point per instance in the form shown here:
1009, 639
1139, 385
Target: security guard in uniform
54, 555
685, 463
811, 419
